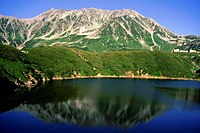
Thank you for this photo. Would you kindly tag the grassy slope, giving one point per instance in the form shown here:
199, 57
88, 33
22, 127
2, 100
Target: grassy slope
62, 61
14, 64
195, 58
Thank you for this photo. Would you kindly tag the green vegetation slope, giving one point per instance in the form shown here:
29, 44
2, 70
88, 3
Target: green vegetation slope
58, 61
16, 66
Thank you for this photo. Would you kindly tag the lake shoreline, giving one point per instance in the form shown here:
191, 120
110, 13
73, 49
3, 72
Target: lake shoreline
121, 77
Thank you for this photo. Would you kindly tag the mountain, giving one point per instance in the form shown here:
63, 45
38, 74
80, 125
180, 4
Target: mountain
192, 44
89, 29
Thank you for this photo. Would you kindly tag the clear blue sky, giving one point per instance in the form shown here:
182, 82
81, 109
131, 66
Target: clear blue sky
180, 16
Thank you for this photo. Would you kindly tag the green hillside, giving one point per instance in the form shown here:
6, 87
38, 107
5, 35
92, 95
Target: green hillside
59, 61
16, 66
62, 61
195, 58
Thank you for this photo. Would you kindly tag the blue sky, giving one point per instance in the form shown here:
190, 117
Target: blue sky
180, 16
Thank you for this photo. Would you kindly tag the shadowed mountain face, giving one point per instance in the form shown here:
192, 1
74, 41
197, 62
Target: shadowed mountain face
192, 44
89, 29
106, 104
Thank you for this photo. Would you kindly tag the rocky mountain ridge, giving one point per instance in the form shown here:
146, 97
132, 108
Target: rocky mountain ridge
89, 29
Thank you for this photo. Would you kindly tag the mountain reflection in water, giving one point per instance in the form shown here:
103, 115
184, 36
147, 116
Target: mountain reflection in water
120, 103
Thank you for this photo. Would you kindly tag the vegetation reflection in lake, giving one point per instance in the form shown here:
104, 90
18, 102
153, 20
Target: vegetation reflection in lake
121, 103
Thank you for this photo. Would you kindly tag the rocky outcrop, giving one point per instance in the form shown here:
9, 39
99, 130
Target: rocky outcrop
110, 30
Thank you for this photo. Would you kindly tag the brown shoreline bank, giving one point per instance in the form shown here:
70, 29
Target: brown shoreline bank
122, 77
30, 85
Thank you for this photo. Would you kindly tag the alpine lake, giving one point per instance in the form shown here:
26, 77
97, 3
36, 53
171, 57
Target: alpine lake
104, 105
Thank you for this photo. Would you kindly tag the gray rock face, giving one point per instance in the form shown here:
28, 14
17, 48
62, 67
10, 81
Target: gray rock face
110, 30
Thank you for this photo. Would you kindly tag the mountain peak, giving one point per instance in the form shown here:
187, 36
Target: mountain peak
52, 10
7, 17
109, 29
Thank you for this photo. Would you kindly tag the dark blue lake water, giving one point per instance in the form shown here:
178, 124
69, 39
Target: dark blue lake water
106, 105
